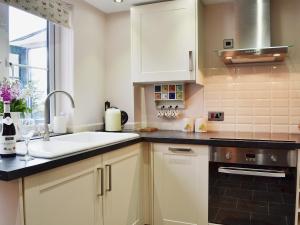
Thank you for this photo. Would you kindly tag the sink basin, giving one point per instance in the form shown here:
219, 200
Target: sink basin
71, 143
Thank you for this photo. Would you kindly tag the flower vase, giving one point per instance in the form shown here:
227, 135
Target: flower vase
16, 116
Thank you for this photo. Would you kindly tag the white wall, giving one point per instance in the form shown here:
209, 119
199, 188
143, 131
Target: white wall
4, 39
118, 86
100, 53
85, 80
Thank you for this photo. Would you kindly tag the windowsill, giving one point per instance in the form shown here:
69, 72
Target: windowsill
37, 137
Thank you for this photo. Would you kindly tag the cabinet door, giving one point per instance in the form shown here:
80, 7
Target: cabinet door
164, 41
122, 199
180, 184
67, 195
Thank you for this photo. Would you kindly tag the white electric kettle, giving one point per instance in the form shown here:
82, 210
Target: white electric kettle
115, 119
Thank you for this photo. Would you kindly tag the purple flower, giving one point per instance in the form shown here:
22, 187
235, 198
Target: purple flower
5, 94
9, 90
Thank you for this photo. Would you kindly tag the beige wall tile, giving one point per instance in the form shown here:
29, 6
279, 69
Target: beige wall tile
294, 129
294, 93
280, 103
280, 128
261, 94
244, 119
280, 94
245, 103
244, 128
295, 103
228, 103
262, 128
245, 111
280, 111
262, 103
294, 111
262, 120
295, 120
280, 120
262, 111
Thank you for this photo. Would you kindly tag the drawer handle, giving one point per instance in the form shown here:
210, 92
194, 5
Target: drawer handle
109, 188
100, 172
191, 61
183, 150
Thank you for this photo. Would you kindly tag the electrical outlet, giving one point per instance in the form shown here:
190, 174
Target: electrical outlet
228, 43
215, 116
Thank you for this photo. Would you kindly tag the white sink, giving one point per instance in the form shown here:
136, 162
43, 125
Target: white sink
71, 143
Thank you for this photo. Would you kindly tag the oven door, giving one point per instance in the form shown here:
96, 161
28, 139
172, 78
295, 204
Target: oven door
251, 195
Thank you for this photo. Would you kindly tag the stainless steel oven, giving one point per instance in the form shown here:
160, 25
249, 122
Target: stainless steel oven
252, 186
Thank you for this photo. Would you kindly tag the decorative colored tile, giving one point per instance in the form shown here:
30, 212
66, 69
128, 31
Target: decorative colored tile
165, 88
157, 88
179, 95
171, 95
157, 96
164, 96
172, 88
179, 87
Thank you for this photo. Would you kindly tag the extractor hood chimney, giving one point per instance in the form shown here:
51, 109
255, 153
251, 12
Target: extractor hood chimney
253, 35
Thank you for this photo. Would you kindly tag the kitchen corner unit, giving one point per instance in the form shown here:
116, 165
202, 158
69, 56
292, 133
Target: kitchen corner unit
105, 189
164, 42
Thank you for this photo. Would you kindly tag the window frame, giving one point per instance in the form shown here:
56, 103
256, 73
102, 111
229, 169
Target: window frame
51, 39
51, 59
53, 63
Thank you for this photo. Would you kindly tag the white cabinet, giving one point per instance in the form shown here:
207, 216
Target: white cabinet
123, 187
66, 195
96, 191
180, 180
164, 40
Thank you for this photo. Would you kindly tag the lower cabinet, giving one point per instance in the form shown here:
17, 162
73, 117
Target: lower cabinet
122, 199
180, 181
114, 188
101, 190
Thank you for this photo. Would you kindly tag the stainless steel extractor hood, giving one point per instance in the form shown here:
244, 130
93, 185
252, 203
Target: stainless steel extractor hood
253, 35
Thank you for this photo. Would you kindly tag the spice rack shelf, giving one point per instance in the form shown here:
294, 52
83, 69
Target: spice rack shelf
169, 96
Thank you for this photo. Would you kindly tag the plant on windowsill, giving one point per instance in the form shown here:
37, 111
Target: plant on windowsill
11, 92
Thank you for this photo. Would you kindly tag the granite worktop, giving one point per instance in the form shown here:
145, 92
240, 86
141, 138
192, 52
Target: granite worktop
234, 139
13, 168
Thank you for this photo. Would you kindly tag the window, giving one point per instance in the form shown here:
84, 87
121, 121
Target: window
29, 56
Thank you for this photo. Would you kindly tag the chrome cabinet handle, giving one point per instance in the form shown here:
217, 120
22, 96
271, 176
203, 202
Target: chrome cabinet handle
251, 172
109, 188
100, 172
183, 150
191, 61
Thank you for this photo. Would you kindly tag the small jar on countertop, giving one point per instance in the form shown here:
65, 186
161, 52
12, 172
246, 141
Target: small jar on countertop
188, 125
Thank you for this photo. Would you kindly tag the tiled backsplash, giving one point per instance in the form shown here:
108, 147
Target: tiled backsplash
254, 98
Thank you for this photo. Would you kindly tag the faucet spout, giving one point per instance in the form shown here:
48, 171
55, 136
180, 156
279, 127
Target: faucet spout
47, 110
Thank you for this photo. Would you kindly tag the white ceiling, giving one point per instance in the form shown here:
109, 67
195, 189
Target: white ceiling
109, 6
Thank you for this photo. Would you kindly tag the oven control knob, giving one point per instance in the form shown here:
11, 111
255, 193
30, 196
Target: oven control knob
273, 158
228, 155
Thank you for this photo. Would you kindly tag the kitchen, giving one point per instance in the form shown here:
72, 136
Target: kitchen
172, 66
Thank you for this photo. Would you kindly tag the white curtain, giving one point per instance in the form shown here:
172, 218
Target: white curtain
55, 11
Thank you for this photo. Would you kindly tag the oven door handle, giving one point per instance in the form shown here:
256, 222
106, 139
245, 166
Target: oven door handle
252, 172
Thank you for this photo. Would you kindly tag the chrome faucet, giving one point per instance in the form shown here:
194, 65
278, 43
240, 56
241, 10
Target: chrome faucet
47, 108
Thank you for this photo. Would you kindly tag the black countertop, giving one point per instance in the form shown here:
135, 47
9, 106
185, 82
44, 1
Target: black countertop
227, 139
13, 168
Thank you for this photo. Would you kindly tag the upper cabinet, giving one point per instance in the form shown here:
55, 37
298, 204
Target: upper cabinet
164, 42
